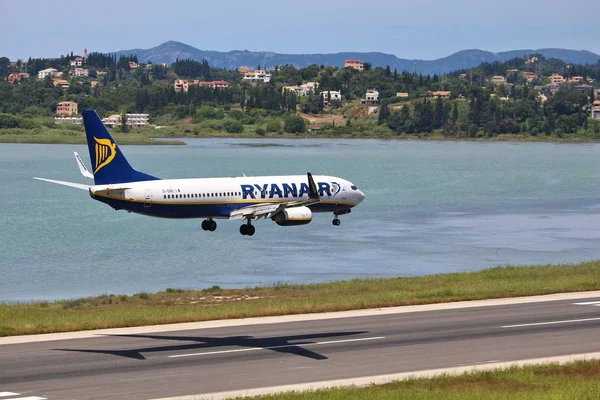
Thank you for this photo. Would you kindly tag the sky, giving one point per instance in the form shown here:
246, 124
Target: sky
414, 29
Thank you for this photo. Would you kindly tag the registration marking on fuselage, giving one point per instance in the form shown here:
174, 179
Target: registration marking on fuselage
277, 347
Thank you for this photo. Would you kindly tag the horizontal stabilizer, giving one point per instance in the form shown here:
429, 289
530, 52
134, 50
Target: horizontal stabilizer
70, 184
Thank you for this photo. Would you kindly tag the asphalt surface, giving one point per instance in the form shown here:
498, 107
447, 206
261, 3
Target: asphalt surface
142, 366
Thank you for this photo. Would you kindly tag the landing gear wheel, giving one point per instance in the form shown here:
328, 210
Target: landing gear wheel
336, 222
212, 225
205, 225
247, 229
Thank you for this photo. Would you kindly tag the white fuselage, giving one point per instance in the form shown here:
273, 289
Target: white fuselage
218, 197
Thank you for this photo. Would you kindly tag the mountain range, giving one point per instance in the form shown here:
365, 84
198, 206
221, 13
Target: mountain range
170, 51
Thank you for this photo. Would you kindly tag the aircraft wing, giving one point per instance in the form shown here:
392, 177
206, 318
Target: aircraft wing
268, 210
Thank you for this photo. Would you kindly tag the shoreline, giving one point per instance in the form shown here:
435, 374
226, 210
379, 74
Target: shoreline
126, 139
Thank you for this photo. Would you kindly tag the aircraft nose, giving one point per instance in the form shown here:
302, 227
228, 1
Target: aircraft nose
361, 196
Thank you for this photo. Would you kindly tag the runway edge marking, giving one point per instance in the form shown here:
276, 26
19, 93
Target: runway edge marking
383, 379
46, 337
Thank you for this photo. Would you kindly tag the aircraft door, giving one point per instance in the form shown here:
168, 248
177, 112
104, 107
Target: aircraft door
343, 192
148, 198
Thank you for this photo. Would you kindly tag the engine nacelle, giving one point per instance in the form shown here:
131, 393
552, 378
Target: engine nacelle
293, 216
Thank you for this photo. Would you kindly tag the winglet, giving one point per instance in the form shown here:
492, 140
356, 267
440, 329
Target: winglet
313, 192
84, 171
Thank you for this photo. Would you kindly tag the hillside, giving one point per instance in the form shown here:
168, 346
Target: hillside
168, 52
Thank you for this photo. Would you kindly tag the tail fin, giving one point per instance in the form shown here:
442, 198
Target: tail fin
108, 163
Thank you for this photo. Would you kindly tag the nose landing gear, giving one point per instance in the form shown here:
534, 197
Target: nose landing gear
247, 229
209, 225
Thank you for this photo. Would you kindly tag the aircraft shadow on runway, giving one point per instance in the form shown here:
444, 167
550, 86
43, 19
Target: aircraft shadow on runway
280, 344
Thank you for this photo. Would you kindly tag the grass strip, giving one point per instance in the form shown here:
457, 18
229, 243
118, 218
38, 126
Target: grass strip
577, 381
79, 138
174, 305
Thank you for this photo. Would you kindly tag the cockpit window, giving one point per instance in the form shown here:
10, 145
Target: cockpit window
354, 187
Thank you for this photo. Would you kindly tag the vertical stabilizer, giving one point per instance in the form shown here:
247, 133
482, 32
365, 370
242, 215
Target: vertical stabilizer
109, 165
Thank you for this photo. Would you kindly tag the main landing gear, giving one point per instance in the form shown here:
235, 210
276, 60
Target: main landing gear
336, 221
247, 229
209, 225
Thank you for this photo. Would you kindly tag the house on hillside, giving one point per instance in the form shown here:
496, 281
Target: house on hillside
371, 98
442, 94
257, 76
556, 79
211, 84
61, 82
302, 90
133, 65
76, 62
79, 72
180, 85
66, 108
355, 64
498, 80
243, 69
17, 76
402, 95
331, 95
576, 80
596, 109
48, 72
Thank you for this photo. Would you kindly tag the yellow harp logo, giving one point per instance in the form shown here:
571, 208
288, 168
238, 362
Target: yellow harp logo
105, 152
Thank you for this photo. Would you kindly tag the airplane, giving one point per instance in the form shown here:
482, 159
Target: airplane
286, 200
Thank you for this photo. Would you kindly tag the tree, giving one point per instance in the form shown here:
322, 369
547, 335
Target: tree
124, 127
294, 124
439, 115
455, 113
4, 64
233, 126
384, 112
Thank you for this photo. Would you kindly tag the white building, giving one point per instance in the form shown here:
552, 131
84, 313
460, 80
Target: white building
68, 120
51, 72
331, 95
76, 62
302, 90
257, 76
596, 110
132, 120
136, 120
371, 97
112, 120
79, 72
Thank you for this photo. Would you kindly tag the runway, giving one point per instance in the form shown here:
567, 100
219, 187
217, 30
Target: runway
255, 353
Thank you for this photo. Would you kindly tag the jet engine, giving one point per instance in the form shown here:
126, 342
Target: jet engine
293, 216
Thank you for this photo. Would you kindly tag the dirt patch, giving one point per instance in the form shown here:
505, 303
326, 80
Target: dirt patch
475, 384
324, 119
587, 371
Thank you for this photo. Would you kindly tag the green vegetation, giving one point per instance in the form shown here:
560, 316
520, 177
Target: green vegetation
474, 107
576, 381
15, 129
111, 311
